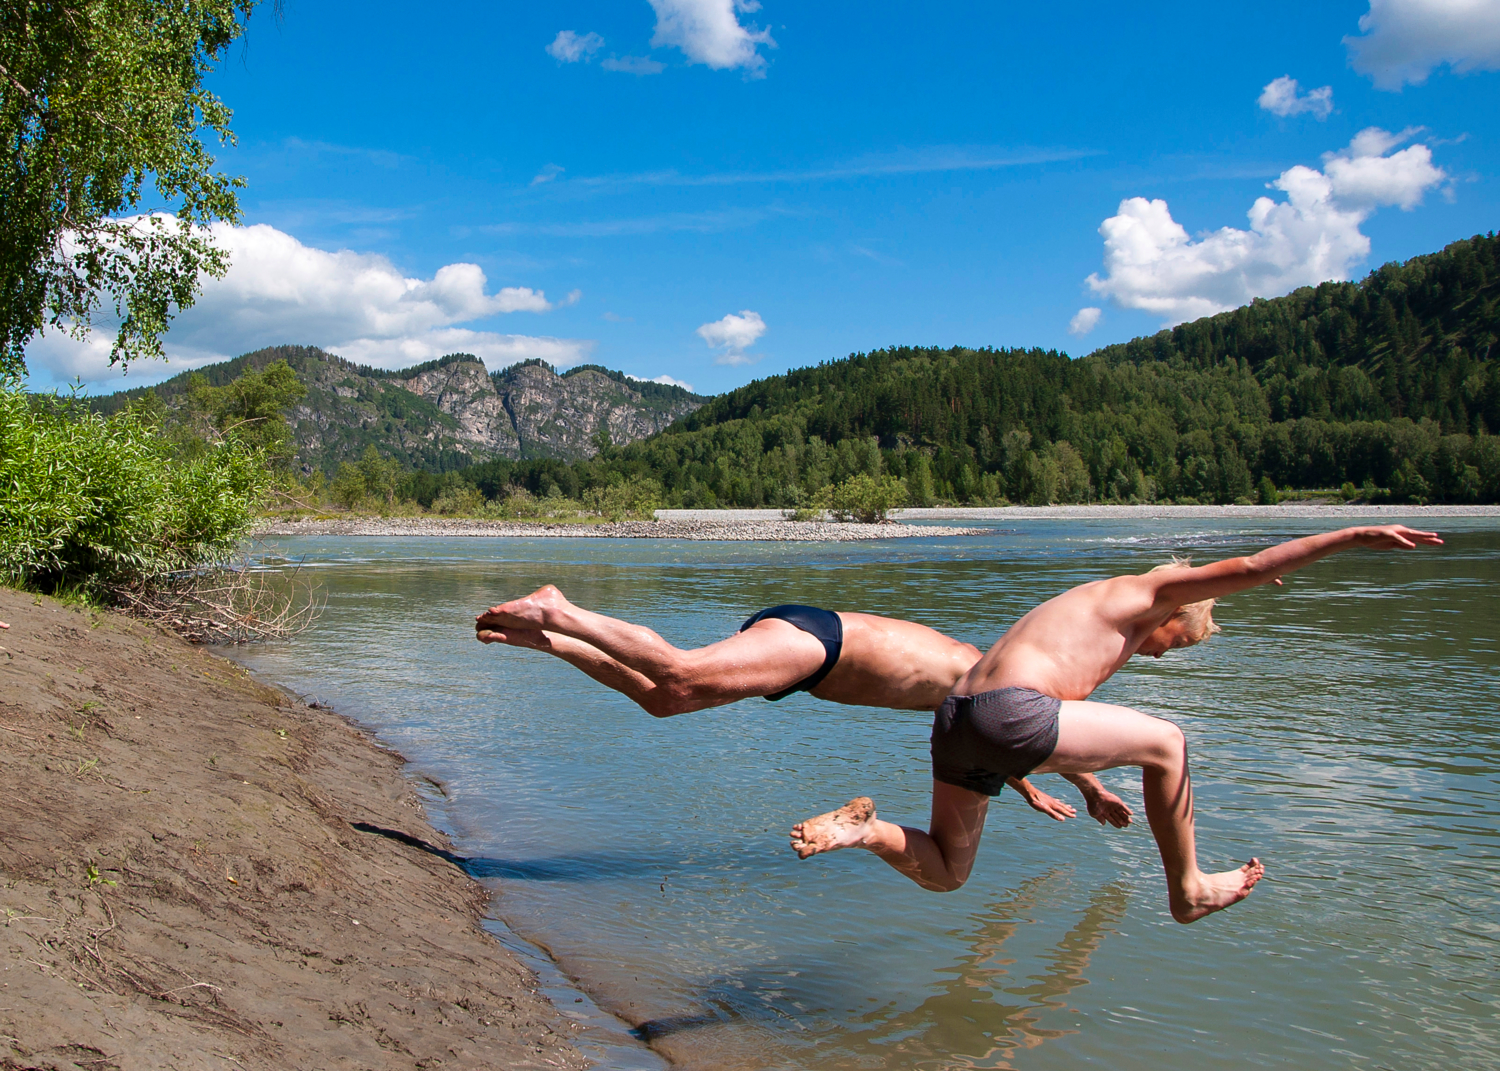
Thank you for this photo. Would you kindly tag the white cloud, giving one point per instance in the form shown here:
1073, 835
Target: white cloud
355, 304
1280, 97
495, 350
547, 174
570, 47
1084, 321
709, 32
633, 65
733, 335
667, 380
1311, 237
1405, 39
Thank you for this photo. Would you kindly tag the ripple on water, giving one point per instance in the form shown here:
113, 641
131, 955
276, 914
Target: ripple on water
1341, 728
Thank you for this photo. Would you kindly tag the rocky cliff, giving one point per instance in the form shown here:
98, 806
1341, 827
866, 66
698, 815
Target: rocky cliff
452, 412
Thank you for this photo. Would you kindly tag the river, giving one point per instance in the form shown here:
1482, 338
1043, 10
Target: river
1342, 728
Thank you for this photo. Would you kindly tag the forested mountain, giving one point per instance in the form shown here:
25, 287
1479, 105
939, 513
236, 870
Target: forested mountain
1391, 384
446, 414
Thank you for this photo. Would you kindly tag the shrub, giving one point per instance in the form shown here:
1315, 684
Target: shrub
636, 497
100, 504
521, 504
462, 500
867, 499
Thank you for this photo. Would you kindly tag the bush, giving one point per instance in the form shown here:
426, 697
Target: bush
99, 504
521, 505
867, 499
636, 497
462, 500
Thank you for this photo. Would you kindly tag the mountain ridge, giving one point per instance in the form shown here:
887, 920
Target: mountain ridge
448, 413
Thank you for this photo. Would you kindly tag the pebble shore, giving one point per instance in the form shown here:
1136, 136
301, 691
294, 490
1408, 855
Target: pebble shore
721, 530
769, 525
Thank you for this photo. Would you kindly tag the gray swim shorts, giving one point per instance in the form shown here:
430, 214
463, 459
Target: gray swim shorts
980, 740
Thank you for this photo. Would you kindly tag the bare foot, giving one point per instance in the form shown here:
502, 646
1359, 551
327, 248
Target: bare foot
1108, 809
533, 638
1215, 892
535, 611
846, 827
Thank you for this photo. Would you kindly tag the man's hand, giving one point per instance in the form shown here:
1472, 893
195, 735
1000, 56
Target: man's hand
1038, 800
1388, 536
1108, 809
1104, 806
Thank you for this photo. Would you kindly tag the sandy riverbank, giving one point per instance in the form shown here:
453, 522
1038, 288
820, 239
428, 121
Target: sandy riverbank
196, 871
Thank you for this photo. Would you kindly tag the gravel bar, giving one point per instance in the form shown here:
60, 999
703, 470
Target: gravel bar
721, 530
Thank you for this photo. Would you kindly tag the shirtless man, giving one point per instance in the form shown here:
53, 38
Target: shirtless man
842, 657
1021, 710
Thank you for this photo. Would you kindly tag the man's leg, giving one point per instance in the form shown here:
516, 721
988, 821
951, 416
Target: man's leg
767, 657
590, 660
1099, 736
939, 859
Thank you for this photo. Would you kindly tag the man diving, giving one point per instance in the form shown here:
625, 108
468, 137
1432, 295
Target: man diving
1023, 709
852, 658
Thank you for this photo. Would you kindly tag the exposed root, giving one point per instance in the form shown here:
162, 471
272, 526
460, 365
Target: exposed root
226, 605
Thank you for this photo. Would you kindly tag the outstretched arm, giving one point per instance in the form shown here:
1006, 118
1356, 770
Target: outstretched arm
1178, 587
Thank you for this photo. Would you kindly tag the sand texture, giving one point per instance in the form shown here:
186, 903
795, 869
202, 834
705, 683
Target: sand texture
183, 885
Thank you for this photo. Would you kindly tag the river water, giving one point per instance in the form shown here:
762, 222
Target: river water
1342, 728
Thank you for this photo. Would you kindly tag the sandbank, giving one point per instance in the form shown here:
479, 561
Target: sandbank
199, 871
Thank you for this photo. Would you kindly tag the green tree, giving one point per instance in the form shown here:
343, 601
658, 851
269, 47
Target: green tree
102, 103
867, 499
249, 407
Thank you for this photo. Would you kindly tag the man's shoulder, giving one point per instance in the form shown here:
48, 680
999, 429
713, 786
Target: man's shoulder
1121, 596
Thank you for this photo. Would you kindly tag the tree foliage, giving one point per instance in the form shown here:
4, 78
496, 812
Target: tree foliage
1390, 385
102, 106
250, 408
102, 503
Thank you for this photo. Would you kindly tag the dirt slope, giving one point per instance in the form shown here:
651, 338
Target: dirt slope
182, 884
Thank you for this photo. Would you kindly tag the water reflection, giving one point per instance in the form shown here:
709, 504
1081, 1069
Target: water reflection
969, 1021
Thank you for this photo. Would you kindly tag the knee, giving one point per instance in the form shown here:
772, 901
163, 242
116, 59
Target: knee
1169, 749
951, 883
666, 701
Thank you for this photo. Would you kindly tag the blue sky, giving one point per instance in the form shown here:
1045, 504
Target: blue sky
715, 192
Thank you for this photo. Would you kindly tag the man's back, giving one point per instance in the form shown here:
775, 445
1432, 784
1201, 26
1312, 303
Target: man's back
1069, 645
887, 662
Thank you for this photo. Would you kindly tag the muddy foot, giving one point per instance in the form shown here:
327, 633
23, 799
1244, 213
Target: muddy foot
846, 827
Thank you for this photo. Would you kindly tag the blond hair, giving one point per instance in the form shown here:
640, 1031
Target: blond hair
1198, 615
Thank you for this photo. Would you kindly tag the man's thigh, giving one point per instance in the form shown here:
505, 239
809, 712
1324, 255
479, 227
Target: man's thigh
767, 657
1100, 736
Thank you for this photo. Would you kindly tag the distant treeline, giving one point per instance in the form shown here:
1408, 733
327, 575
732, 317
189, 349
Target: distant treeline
1389, 388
